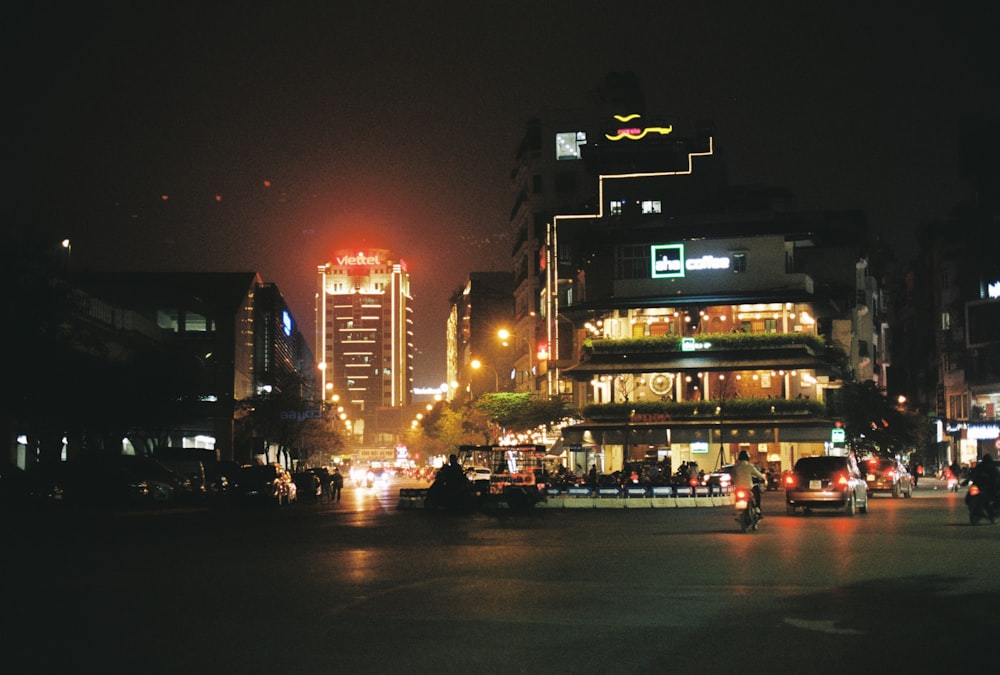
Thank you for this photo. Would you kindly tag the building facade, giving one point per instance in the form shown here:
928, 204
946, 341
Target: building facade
689, 319
479, 359
364, 340
549, 178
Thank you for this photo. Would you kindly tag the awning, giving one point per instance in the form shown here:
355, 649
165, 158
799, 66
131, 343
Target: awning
614, 433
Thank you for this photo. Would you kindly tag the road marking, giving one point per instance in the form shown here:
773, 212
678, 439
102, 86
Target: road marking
822, 626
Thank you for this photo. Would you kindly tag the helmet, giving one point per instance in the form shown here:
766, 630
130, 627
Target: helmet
744, 455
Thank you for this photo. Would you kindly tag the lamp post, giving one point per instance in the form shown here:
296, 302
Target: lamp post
506, 335
67, 246
477, 364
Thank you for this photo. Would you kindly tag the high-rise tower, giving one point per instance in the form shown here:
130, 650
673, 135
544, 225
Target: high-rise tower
364, 336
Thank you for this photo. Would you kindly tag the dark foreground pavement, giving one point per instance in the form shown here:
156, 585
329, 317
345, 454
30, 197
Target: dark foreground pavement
366, 588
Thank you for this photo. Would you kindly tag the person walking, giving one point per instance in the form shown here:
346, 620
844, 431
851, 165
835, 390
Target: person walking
336, 484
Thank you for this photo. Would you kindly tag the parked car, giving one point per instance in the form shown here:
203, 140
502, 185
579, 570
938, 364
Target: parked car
19, 488
826, 482
122, 480
266, 483
220, 474
883, 474
308, 485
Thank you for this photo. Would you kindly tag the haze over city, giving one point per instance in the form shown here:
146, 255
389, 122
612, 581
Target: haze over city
169, 137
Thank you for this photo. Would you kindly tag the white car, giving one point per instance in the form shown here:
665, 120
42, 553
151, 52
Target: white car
478, 473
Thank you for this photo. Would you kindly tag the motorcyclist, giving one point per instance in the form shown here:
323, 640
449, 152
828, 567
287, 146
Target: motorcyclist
986, 476
745, 475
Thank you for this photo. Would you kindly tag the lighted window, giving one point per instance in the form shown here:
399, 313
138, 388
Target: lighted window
568, 144
168, 319
652, 207
615, 208
195, 323
738, 262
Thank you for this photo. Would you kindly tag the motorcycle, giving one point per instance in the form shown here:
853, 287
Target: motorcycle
747, 512
981, 505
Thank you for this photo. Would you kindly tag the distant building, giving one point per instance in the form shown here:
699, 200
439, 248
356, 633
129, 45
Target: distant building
236, 329
364, 340
479, 311
961, 265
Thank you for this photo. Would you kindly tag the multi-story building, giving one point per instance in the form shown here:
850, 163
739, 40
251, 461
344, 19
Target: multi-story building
282, 359
691, 319
211, 323
479, 312
550, 178
364, 340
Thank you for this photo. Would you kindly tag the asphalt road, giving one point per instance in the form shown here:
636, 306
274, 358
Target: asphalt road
364, 587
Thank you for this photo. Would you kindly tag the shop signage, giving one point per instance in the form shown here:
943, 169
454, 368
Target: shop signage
650, 417
668, 260
689, 344
301, 415
635, 133
359, 259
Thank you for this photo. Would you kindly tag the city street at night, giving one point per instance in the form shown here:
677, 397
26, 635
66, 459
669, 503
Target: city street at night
363, 586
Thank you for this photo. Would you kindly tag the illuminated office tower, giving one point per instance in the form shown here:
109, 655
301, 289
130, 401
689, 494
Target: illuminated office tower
364, 336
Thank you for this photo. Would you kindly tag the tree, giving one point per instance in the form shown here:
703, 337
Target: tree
872, 424
523, 411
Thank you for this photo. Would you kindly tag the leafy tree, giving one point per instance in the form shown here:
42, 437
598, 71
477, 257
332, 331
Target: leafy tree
523, 411
872, 424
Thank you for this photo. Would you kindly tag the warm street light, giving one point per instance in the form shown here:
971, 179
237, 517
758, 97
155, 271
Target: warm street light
477, 364
506, 335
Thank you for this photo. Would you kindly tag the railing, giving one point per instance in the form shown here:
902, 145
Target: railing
731, 409
714, 341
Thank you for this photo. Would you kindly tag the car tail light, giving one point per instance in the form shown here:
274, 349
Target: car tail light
841, 480
790, 480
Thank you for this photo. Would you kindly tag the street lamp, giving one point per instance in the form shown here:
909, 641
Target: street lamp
477, 364
506, 335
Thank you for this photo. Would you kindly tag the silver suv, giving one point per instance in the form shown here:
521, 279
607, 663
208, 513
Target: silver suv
826, 482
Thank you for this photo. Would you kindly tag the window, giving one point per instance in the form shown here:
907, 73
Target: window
652, 207
168, 319
568, 144
770, 325
615, 207
195, 323
738, 261
632, 262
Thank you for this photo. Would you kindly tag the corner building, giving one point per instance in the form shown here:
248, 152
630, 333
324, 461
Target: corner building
364, 338
702, 318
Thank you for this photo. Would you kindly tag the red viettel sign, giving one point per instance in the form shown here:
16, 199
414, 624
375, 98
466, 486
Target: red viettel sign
359, 259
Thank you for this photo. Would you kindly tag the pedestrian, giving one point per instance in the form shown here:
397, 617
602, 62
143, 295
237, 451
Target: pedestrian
916, 468
336, 484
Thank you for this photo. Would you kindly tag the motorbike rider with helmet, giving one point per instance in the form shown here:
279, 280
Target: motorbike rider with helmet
746, 475
986, 476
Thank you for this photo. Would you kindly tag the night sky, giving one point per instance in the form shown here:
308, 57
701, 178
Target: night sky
280, 132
